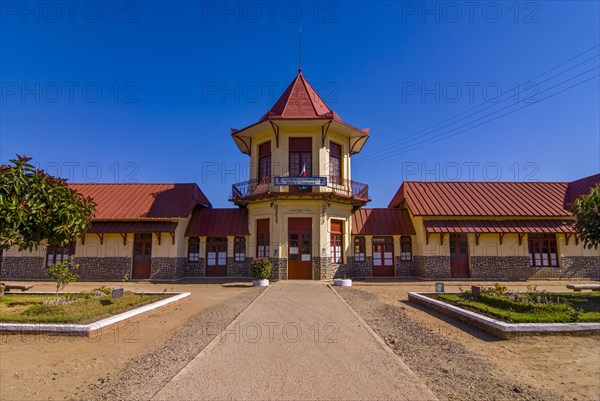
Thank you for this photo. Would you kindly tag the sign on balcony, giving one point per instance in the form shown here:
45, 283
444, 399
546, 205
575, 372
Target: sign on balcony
301, 181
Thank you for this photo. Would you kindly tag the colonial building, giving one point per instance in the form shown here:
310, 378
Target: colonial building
302, 210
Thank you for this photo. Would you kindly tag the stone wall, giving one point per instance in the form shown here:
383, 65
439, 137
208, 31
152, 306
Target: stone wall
500, 267
26, 268
238, 269
517, 267
279, 271
405, 268
360, 269
432, 266
195, 269
168, 268
108, 268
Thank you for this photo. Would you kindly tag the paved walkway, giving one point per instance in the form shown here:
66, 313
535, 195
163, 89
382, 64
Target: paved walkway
297, 341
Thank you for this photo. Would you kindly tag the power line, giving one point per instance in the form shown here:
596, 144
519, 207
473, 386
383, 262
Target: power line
485, 122
402, 140
391, 149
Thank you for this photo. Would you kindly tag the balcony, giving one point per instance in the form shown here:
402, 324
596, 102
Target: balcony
356, 192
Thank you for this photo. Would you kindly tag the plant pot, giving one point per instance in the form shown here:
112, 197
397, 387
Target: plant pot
342, 282
260, 283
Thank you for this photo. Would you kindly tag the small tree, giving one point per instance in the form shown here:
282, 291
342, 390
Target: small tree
586, 209
35, 206
62, 273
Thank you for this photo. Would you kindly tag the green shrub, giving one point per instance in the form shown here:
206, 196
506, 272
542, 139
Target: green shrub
261, 268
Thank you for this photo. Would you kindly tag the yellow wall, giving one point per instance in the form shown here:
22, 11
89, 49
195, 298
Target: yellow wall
299, 208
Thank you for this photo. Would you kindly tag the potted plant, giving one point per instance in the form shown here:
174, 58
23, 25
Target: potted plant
261, 270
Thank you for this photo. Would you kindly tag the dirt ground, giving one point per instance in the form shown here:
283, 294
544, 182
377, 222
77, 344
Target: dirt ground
44, 367
559, 367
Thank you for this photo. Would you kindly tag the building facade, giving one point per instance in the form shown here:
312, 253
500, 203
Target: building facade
302, 210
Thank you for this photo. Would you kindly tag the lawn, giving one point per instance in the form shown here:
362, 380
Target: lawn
80, 308
573, 307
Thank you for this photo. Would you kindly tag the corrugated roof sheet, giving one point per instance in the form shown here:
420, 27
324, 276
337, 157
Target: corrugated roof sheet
136, 227
539, 199
300, 100
218, 223
499, 226
143, 201
382, 222
581, 187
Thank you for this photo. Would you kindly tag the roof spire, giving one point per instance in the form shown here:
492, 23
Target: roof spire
300, 55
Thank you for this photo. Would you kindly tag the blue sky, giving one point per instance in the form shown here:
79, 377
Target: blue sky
102, 91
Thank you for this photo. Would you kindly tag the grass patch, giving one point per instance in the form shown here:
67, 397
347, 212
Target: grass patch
80, 308
574, 307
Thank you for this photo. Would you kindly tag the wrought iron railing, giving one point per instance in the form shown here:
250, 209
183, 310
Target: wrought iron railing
335, 185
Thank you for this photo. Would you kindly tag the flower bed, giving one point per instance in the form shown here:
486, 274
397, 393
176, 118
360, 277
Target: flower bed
529, 307
81, 307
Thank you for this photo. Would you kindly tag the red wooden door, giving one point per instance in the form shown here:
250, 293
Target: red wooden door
459, 255
383, 257
299, 248
142, 256
216, 257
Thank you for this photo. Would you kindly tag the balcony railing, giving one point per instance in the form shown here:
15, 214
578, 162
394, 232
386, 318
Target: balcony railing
335, 186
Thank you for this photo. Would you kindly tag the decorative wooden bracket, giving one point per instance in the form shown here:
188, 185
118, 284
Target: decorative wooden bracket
101, 236
427, 238
124, 235
567, 237
521, 235
477, 235
83, 239
276, 132
501, 235
158, 237
173, 236
324, 130
442, 239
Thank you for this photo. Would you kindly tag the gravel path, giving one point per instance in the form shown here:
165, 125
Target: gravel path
143, 377
449, 369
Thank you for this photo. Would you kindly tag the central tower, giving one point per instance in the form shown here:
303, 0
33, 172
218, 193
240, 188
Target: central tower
300, 196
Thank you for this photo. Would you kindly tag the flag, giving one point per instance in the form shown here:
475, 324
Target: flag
303, 174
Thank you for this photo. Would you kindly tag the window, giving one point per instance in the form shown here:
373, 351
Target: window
264, 163
405, 248
359, 249
262, 238
58, 253
193, 249
239, 249
300, 156
336, 242
335, 163
542, 250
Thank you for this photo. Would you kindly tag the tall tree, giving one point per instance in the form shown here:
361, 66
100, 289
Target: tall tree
35, 206
586, 209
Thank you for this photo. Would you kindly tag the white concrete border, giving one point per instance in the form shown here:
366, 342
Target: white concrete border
90, 328
497, 327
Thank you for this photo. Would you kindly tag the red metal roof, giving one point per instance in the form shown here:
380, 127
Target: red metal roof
218, 223
137, 227
143, 201
540, 199
499, 226
300, 100
382, 222
581, 187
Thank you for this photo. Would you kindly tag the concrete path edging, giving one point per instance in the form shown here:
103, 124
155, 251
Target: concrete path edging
91, 328
497, 327
377, 338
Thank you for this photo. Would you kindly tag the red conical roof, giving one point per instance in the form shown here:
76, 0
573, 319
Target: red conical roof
300, 100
